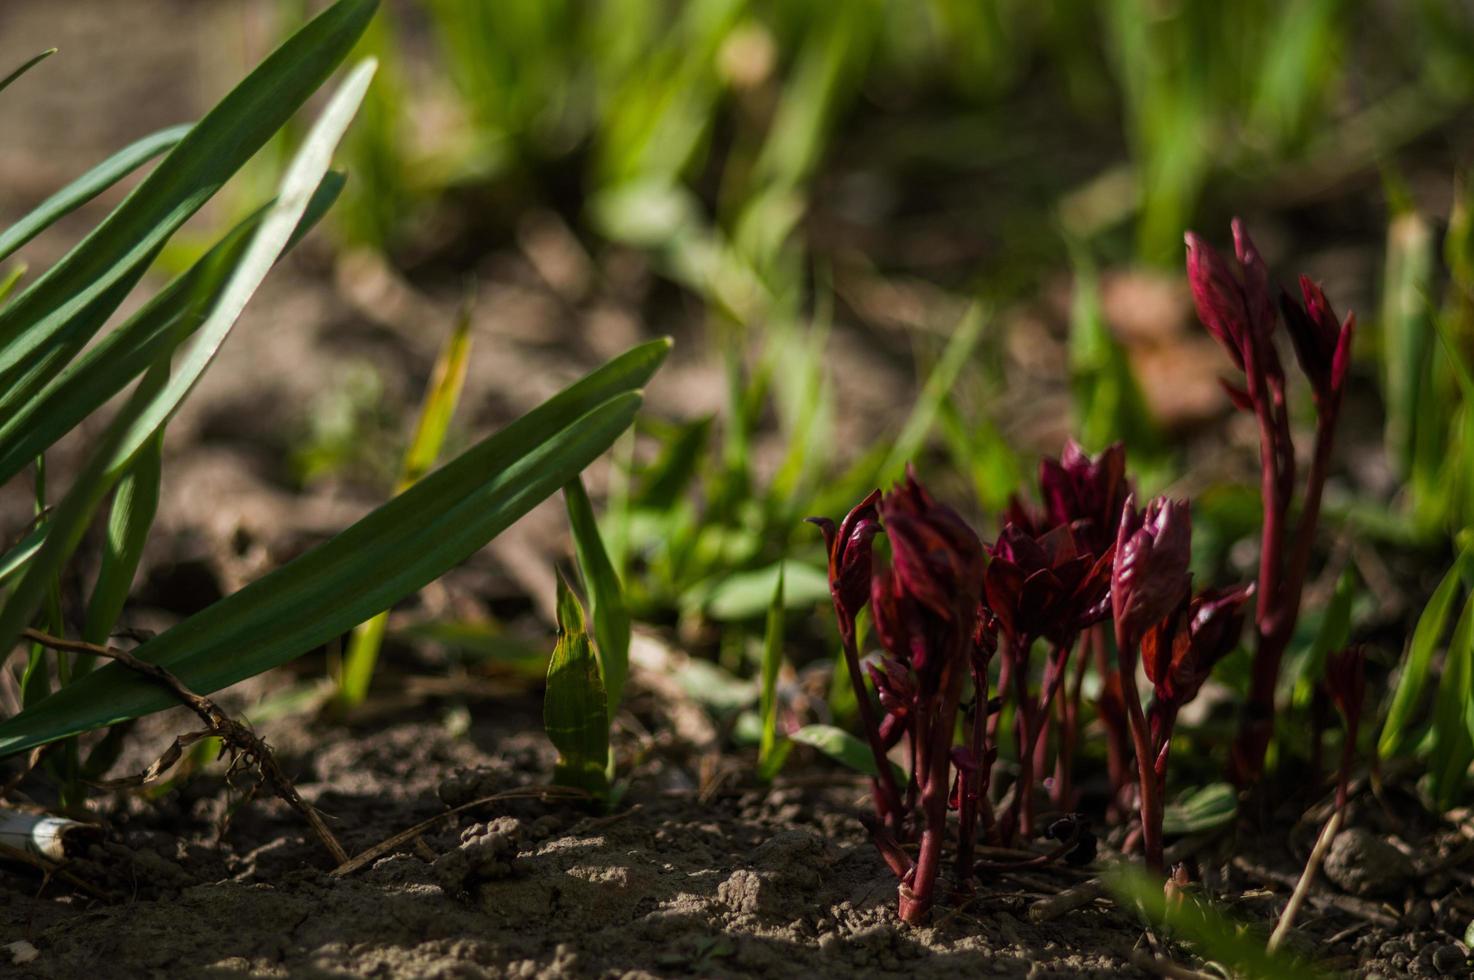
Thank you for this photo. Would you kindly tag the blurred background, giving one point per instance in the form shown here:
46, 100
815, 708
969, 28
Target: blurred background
947, 231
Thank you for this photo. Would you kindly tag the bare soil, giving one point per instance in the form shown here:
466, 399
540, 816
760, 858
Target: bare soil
694, 873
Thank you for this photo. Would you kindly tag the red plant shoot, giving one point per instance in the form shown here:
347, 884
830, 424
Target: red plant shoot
1240, 313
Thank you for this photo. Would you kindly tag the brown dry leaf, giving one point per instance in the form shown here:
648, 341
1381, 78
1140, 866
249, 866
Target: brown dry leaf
1146, 306
1180, 381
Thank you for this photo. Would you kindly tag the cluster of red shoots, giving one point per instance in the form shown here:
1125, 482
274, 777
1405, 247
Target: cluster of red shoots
945, 605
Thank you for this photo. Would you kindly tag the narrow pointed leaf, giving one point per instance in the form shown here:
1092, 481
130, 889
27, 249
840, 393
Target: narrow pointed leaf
183, 181
171, 316
151, 406
11, 279
1453, 738
135, 502
1194, 920
15, 559
842, 747
607, 607
441, 396
88, 186
27, 66
1408, 693
387, 555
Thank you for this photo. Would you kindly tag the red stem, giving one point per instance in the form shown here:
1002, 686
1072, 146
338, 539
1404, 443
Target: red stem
916, 899
1069, 731
1279, 607
888, 797
1020, 816
975, 783
1151, 804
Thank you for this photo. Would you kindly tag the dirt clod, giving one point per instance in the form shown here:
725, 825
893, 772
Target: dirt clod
1362, 863
486, 852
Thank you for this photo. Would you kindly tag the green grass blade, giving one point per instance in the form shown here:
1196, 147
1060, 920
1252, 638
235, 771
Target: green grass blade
54, 358
1195, 921
842, 747
151, 407
360, 660
8, 79
390, 553
674, 472
1334, 634
192, 172
88, 186
575, 710
936, 391
1205, 808
11, 279
167, 319
15, 559
767, 752
607, 605
1406, 340
1453, 736
135, 502
1408, 693
441, 397
444, 393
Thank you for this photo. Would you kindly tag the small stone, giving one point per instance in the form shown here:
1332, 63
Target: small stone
1364, 864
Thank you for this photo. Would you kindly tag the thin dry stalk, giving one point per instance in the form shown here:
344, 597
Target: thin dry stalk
246, 748
350, 865
1307, 878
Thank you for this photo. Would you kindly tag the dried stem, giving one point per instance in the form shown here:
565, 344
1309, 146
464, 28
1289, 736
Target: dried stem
244, 744
1307, 878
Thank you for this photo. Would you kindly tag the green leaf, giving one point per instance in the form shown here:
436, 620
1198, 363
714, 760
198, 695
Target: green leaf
387, 555
1406, 331
1206, 808
48, 314
1333, 635
843, 748
88, 186
166, 320
8, 79
575, 712
135, 502
441, 396
768, 692
15, 559
745, 595
1408, 693
606, 596
672, 474
1198, 922
934, 393
1453, 707
480, 641
11, 279
152, 405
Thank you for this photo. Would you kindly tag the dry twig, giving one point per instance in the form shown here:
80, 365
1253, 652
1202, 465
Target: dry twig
350, 865
246, 748
1307, 878
1356, 907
